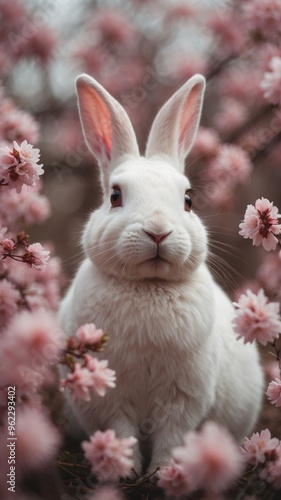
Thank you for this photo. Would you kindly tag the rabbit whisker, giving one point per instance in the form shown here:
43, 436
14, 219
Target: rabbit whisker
228, 249
112, 267
223, 265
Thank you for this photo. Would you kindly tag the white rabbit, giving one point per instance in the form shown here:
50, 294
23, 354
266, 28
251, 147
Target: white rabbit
144, 281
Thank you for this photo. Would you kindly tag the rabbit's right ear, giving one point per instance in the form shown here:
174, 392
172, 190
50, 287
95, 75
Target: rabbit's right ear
175, 126
106, 126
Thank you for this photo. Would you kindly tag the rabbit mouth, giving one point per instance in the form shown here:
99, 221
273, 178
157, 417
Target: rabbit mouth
157, 259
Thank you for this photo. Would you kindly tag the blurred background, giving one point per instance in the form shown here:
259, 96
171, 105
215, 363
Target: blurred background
141, 51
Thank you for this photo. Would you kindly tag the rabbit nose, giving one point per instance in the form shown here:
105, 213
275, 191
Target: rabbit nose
158, 237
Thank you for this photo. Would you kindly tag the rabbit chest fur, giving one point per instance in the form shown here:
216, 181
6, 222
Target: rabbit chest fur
145, 282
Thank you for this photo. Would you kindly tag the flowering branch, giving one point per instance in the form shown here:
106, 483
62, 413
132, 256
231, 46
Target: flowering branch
91, 374
33, 255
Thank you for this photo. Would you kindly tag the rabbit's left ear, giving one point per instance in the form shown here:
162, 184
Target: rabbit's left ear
175, 126
107, 128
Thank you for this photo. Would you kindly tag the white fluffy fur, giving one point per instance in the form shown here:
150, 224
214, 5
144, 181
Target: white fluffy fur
171, 342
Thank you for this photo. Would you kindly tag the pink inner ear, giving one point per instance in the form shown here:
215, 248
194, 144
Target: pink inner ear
188, 118
99, 132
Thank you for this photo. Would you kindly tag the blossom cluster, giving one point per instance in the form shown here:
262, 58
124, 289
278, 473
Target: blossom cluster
110, 457
31, 342
209, 460
93, 375
264, 452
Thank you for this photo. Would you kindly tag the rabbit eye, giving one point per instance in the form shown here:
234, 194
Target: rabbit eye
187, 202
116, 197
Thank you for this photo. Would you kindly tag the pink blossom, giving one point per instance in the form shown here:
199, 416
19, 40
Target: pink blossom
16, 125
93, 59
12, 13
93, 375
114, 27
24, 208
206, 144
259, 447
6, 246
9, 301
38, 332
218, 455
271, 471
263, 16
220, 193
228, 29
102, 377
19, 165
231, 116
29, 346
174, 481
209, 460
89, 335
274, 392
37, 439
231, 166
261, 224
256, 318
36, 208
271, 82
41, 43
110, 457
50, 292
41, 287
36, 256
35, 297
185, 67
240, 82
51, 278
79, 382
